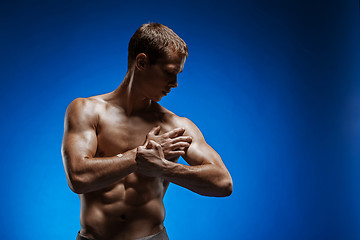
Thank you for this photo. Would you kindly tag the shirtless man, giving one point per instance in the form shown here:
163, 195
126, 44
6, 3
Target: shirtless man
120, 149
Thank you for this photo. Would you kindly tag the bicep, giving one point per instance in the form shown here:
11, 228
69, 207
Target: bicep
199, 152
79, 139
79, 144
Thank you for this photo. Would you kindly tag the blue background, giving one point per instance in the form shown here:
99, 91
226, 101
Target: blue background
273, 85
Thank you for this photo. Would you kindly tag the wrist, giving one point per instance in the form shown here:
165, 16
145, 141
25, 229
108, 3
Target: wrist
167, 168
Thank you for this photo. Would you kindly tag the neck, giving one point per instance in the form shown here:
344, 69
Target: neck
128, 96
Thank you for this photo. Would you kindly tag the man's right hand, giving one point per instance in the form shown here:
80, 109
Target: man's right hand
173, 143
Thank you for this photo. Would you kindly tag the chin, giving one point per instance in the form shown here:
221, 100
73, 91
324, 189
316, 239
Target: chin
157, 98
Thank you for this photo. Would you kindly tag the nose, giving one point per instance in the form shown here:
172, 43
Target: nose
173, 82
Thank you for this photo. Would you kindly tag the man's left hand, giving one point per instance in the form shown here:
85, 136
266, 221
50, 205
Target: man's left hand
174, 144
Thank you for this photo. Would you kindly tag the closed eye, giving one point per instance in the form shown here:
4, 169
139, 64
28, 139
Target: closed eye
170, 73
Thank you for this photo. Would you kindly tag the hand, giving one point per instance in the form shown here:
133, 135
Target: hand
173, 143
150, 159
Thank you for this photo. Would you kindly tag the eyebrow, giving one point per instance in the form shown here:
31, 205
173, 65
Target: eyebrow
170, 69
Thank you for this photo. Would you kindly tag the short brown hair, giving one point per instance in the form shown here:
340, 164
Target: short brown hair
155, 40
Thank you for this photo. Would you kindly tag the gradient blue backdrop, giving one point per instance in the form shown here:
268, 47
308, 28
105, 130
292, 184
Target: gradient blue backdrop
273, 85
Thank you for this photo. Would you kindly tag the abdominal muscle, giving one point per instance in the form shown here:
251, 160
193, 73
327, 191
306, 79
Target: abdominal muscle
130, 209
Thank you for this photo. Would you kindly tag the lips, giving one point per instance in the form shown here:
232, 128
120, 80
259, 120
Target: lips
165, 92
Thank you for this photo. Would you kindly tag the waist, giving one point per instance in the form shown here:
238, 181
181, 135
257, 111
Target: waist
98, 219
161, 235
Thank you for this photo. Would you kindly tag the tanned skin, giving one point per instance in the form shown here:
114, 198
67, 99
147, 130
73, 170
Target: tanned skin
122, 195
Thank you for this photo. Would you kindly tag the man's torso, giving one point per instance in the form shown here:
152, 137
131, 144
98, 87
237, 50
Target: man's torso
132, 207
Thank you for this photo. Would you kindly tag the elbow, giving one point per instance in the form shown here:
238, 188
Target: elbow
77, 184
225, 186
229, 189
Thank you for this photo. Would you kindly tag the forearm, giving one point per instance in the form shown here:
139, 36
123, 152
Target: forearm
207, 179
96, 173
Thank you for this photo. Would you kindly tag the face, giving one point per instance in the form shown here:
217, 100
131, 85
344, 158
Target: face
159, 78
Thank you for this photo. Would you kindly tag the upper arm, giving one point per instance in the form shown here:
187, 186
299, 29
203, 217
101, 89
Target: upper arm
199, 152
79, 141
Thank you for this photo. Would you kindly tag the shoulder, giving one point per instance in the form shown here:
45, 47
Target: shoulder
82, 112
190, 128
80, 106
170, 117
86, 106
182, 122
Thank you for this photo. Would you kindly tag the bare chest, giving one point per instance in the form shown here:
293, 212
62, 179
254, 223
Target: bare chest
118, 133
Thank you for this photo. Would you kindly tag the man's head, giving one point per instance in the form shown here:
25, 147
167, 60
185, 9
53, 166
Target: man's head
156, 41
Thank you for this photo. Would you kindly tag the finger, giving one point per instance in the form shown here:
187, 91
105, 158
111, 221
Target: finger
182, 139
175, 133
180, 145
159, 149
176, 153
153, 144
155, 130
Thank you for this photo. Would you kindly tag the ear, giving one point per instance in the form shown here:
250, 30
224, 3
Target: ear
141, 61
